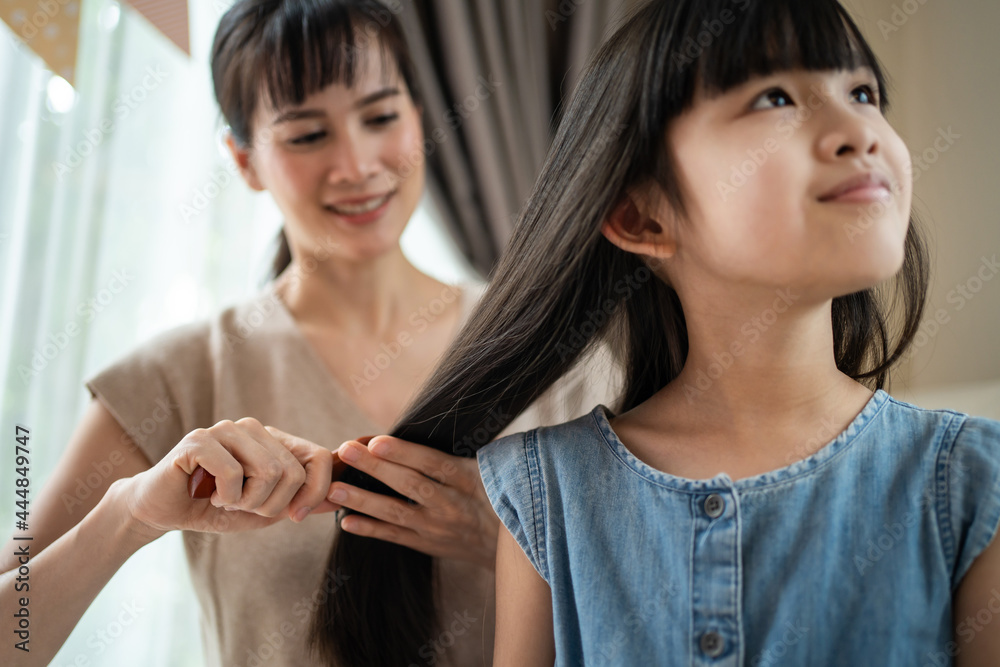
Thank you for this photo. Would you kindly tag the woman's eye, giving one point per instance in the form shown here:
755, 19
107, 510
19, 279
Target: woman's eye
310, 138
773, 98
864, 95
383, 119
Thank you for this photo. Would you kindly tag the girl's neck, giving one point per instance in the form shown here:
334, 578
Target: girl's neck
758, 391
762, 360
366, 298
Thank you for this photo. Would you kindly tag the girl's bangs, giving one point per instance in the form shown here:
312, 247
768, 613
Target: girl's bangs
750, 38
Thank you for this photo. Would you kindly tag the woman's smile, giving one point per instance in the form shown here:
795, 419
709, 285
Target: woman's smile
362, 211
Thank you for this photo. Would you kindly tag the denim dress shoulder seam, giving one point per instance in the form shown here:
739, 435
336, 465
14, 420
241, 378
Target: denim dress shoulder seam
538, 509
946, 439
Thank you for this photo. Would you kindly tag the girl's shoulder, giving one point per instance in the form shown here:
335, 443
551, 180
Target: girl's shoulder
943, 429
529, 455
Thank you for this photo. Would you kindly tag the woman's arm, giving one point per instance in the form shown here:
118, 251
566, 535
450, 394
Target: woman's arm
524, 635
81, 539
977, 612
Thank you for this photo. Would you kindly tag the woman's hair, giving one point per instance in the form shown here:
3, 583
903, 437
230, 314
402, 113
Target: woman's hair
560, 286
282, 51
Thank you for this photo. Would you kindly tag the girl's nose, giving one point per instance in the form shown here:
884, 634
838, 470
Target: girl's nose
847, 134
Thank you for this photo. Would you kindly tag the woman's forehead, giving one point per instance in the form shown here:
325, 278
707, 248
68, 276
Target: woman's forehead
374, 68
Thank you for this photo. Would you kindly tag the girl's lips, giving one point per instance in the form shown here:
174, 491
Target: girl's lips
870, 187
862, 194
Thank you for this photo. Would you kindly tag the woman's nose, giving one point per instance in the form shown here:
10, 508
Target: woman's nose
351, 162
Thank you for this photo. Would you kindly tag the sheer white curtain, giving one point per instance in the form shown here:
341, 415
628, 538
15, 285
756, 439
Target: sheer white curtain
120, 217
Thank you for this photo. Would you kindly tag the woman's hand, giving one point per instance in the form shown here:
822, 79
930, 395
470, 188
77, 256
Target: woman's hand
451, 516
286, 476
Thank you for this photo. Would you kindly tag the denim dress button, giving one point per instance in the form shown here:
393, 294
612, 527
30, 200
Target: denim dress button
715, 505
712, 644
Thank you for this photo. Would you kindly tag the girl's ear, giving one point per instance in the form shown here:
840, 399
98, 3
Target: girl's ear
241, 156
631, 227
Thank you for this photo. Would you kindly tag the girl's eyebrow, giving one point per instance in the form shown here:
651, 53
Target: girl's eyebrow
300, 114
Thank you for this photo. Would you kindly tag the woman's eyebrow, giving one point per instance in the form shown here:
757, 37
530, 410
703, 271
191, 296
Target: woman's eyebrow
297, 114
376, 96
300, 114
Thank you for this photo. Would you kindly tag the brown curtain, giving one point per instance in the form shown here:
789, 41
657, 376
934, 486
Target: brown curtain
493, 74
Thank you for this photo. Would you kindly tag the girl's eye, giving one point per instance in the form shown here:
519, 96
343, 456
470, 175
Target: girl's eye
382, 120
773, 98
310, 138
864, 95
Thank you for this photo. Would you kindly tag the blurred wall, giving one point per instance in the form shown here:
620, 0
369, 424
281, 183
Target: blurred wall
943, 57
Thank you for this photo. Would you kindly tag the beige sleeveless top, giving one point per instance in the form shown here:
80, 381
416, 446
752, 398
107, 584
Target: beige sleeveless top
258, 589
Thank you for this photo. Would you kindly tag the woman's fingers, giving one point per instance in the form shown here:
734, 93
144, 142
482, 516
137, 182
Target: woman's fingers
318, 464
381, 530
410, 483
202, 448
273, 474
377, 505
426, 460
451, 516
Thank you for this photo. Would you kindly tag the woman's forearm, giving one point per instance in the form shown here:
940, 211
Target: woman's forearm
64, 579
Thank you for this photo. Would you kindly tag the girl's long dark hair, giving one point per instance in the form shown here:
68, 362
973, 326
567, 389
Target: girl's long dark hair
560, 286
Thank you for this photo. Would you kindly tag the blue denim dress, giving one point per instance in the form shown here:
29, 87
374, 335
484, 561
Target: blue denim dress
849, 557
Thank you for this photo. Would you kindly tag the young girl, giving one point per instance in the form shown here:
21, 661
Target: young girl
726, 201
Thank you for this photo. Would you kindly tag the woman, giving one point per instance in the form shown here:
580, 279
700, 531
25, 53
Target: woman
324, 114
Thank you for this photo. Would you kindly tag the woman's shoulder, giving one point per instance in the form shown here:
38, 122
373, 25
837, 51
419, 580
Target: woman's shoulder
189, 349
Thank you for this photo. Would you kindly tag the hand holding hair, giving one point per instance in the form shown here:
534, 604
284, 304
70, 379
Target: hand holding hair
444, 513
201, 484
264, 473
